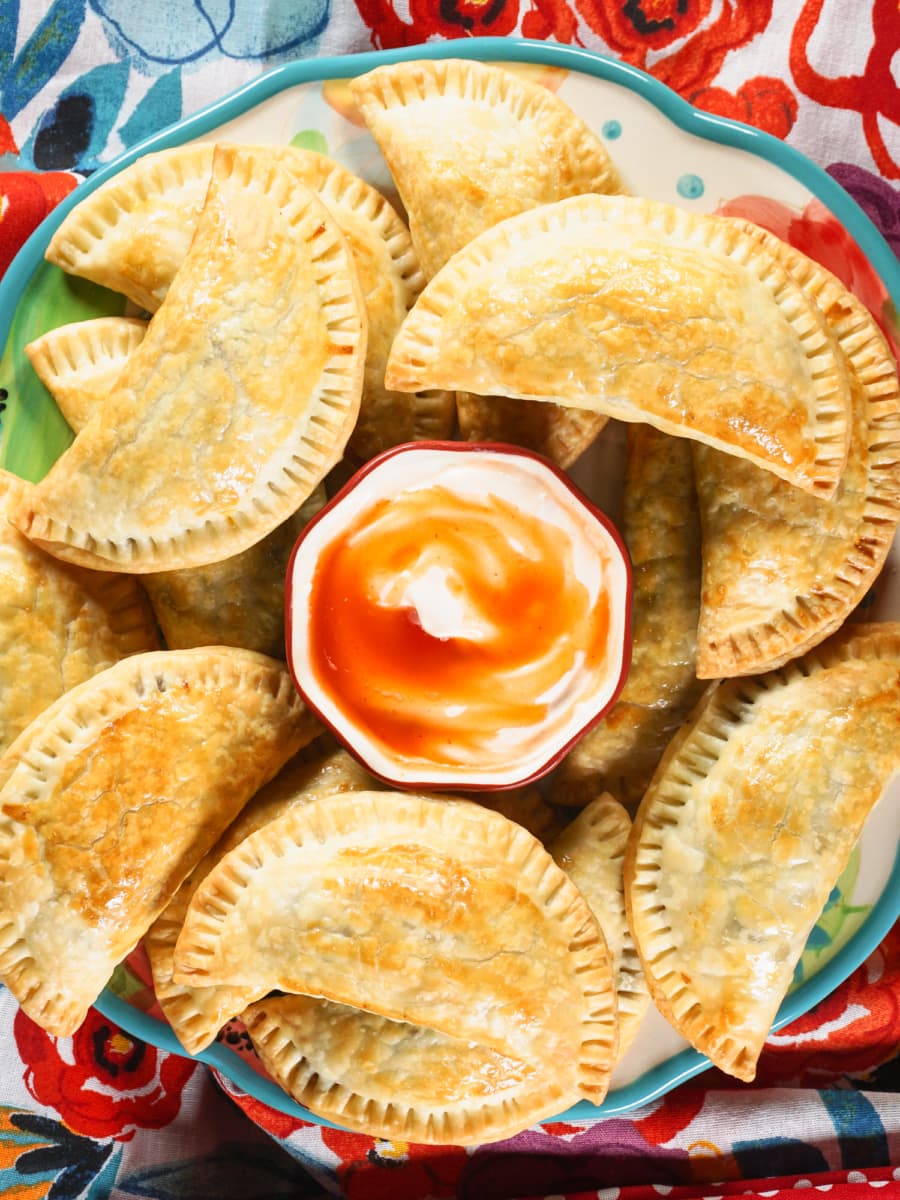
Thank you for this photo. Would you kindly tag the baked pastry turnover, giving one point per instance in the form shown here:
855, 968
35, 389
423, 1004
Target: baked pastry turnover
98, 827
133, 233
434, 912
470, 144
661, 528
237, 402
745, 829
781, 570
79, 364
59, 624
395, 1080
644, 312
196, 1014
591, 851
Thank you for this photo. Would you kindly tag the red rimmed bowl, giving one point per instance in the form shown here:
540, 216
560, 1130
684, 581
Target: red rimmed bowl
459, 615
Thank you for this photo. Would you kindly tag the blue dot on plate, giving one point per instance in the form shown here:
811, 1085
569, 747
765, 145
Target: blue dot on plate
611, 130
690, 187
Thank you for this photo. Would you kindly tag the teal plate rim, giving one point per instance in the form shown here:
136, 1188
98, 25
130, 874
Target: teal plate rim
688, 1063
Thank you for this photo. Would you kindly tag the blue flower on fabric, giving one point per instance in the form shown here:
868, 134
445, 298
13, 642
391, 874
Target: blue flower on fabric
157, 36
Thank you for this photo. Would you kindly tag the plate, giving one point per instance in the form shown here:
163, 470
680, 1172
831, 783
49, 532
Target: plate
664, 149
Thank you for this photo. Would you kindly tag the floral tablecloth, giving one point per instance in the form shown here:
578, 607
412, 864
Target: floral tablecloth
101, 1115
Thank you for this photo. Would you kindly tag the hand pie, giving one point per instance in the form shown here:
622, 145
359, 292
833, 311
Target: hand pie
133, 233
470, 144
397, 1080
98, 828
435, 912
79, 364
236, 602
644, 312
391, 1079
59, 624
237, 402
662, 532
747, 825
782, 570
591, 851
196, 1014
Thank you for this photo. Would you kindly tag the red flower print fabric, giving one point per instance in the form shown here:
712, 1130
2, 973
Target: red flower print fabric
102, 1082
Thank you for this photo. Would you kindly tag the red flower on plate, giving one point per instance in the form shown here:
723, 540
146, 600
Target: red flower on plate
822, 237
101, 1081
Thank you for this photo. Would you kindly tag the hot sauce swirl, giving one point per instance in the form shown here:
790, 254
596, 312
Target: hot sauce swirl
464, 613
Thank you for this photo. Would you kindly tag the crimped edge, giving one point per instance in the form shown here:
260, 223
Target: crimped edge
816, 614
466, 1123
416, 350
487, 83
301, 462
36, 757
690, 754
79, 239
72, 355
129, 614
538, 875
600, 834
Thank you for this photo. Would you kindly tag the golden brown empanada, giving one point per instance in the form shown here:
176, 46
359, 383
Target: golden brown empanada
79, 364
395, 1080
236, 602
747, 825
127, 236
470, 144
435, 912
237, 402
59, 624
591, 851
782, 570
113, 795
196, 1014
645, 312
661, 528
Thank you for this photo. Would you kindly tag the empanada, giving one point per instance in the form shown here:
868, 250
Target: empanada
133, 233
79, 364
196, 1014
435, 912
470, 144
59, 624
113, 795
782, 570
236, 602
645, 312
661, 528
398, 1080
237, 402
591, 851
395, 1080
747, 825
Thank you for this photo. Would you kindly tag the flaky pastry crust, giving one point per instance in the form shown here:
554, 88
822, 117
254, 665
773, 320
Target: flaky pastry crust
745, 828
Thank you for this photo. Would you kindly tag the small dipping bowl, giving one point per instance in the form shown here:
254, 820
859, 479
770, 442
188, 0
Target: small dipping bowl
459, 615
